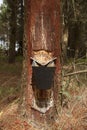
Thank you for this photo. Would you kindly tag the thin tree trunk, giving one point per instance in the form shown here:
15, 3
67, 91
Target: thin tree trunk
12, 31
74, 73
21, 28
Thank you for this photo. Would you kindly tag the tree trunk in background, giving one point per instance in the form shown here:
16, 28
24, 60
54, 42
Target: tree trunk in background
12, 31
42, 43
77, 39
20, 31
73, 39
75, 16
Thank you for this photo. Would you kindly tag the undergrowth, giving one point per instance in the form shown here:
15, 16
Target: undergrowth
10, 77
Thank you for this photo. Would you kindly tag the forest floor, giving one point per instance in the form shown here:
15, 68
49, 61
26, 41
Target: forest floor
72, 115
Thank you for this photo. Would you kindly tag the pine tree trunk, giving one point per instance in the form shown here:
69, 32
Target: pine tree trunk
21, 26
42, 43
12, 30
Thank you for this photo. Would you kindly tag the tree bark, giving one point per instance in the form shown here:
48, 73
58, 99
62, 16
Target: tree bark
12, 30
20, 27
42, 43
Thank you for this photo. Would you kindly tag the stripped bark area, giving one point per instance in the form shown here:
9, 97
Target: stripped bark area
42, 44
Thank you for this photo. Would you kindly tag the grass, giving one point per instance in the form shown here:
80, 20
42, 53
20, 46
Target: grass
10, 77
15, 68
8, 92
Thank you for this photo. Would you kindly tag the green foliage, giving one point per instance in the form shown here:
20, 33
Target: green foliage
3, 19
81, 60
